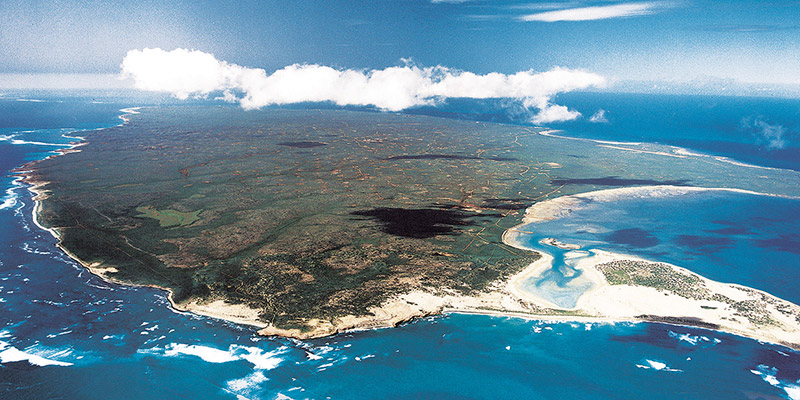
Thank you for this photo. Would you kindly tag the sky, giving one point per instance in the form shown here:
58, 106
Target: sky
700, 43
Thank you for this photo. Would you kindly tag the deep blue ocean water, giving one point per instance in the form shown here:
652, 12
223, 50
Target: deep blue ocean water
761, 131
65, 333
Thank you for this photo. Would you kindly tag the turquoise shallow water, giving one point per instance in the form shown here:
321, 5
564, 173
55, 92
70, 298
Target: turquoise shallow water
66, 334
727, 236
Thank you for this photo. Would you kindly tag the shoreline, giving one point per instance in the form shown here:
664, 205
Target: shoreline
234, 313
606, 302
560, 206
503, 299
677, 151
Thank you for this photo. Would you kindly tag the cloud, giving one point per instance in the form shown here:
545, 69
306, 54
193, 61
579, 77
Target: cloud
599, 117
771, 135
186, 73
545, 5
554, 113
594, 13
180, 72
747, 28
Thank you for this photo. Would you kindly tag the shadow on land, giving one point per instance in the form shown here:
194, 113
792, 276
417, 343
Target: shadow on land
418, 223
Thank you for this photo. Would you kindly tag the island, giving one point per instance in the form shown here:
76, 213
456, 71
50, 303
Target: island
308, 222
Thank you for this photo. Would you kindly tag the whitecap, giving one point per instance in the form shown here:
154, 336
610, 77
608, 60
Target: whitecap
131, 110
52, 335
693, 340
19, 141
769, 375
261, 359
657, 365
9, 353
793, 391
11, 197
26, 247
12, 139
248, 383
207, 354
368, 356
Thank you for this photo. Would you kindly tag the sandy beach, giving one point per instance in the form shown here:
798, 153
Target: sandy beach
725, 307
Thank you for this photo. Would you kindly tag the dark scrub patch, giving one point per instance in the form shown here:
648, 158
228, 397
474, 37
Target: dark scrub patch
420, 223
507, 204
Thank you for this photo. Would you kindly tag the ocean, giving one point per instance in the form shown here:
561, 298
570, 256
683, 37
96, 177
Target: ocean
760, 131
755, 130
65, 333
730, 238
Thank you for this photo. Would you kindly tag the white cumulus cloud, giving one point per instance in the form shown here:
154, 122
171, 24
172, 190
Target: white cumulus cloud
186, 73
599, 117
771, 135
594, 13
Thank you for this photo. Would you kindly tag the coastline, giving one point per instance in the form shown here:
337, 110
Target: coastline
677, 151
623, 302
392, 313
229, 312
561, 206
505, 298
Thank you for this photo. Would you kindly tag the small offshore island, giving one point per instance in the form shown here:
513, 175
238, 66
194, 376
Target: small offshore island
306, 223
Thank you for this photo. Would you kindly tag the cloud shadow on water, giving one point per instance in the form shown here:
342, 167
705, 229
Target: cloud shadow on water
633, 237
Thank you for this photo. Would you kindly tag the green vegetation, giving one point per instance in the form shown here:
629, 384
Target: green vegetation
309, 213
656, 275
665, 278
169, 218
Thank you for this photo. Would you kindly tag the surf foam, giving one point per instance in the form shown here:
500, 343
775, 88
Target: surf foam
10, 353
